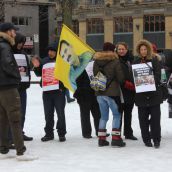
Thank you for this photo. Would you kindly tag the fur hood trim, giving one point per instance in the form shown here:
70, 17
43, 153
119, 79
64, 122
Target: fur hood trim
7, 38
149, 48
105, 55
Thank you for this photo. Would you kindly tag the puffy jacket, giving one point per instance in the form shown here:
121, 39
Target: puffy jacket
9, 73
110, 64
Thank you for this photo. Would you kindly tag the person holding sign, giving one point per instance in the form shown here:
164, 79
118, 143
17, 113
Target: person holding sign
53, 94
147, 77
24, 69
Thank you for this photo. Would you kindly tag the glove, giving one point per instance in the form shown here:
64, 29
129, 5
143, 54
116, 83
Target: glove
129, 86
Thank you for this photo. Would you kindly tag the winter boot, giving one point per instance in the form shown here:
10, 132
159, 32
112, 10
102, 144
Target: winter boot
116, 138
102, 138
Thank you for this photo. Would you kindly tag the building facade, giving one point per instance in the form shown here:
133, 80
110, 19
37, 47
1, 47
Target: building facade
35, 19
99, 21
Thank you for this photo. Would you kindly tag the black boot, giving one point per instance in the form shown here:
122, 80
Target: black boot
148, 143
156, 144
62, 138
116, 138
26, 138
4, 150
47, 138
102, 138
131, 137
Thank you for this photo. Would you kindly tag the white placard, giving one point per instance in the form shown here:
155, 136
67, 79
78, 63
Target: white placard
143, 77
22, 64
89, 69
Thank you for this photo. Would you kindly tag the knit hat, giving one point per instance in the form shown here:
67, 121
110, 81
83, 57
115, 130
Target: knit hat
53, 46
107, 46
7, 26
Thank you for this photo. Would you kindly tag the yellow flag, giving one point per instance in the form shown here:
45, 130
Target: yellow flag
72, 58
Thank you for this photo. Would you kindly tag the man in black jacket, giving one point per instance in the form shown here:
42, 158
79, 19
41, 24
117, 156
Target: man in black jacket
10, 113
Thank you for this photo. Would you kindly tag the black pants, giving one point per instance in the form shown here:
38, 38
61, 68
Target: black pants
150, 128
23, 98
85, 109
54, 100
126, 110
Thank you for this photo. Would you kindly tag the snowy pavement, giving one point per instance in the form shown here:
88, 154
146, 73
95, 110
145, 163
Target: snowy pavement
83, 155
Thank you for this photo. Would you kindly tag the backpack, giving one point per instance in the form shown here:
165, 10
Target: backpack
98, 82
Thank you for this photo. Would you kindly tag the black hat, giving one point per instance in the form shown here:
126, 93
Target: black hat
7, 26
53, 46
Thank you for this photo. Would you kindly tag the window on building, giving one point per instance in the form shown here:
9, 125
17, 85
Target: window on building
95, 25
75, 26
154, 23
21, 21
15, 20
96, 2
123, 24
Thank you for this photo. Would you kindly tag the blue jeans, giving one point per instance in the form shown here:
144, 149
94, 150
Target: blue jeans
105, 103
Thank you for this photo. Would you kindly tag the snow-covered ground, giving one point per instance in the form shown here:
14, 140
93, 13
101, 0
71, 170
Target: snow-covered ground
83, 155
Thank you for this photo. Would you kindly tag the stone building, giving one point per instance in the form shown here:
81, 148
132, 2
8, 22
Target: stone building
98, 21
34, 18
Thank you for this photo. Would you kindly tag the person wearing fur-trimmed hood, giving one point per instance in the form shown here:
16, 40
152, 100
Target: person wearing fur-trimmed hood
149, 102
108, 63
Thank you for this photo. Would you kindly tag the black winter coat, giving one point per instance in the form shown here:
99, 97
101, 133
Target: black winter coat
9, 73
84, 93
126, 62
38, 70
151, 98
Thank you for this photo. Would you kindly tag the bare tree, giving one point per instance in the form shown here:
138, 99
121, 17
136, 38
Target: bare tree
67, 7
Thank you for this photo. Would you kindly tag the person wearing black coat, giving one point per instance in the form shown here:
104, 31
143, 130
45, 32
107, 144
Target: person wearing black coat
24, 85
87, 101
149, 102
128, 89
53, 99
10, 107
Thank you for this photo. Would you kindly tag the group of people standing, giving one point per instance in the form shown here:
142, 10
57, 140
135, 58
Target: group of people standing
120, 94
114, 61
